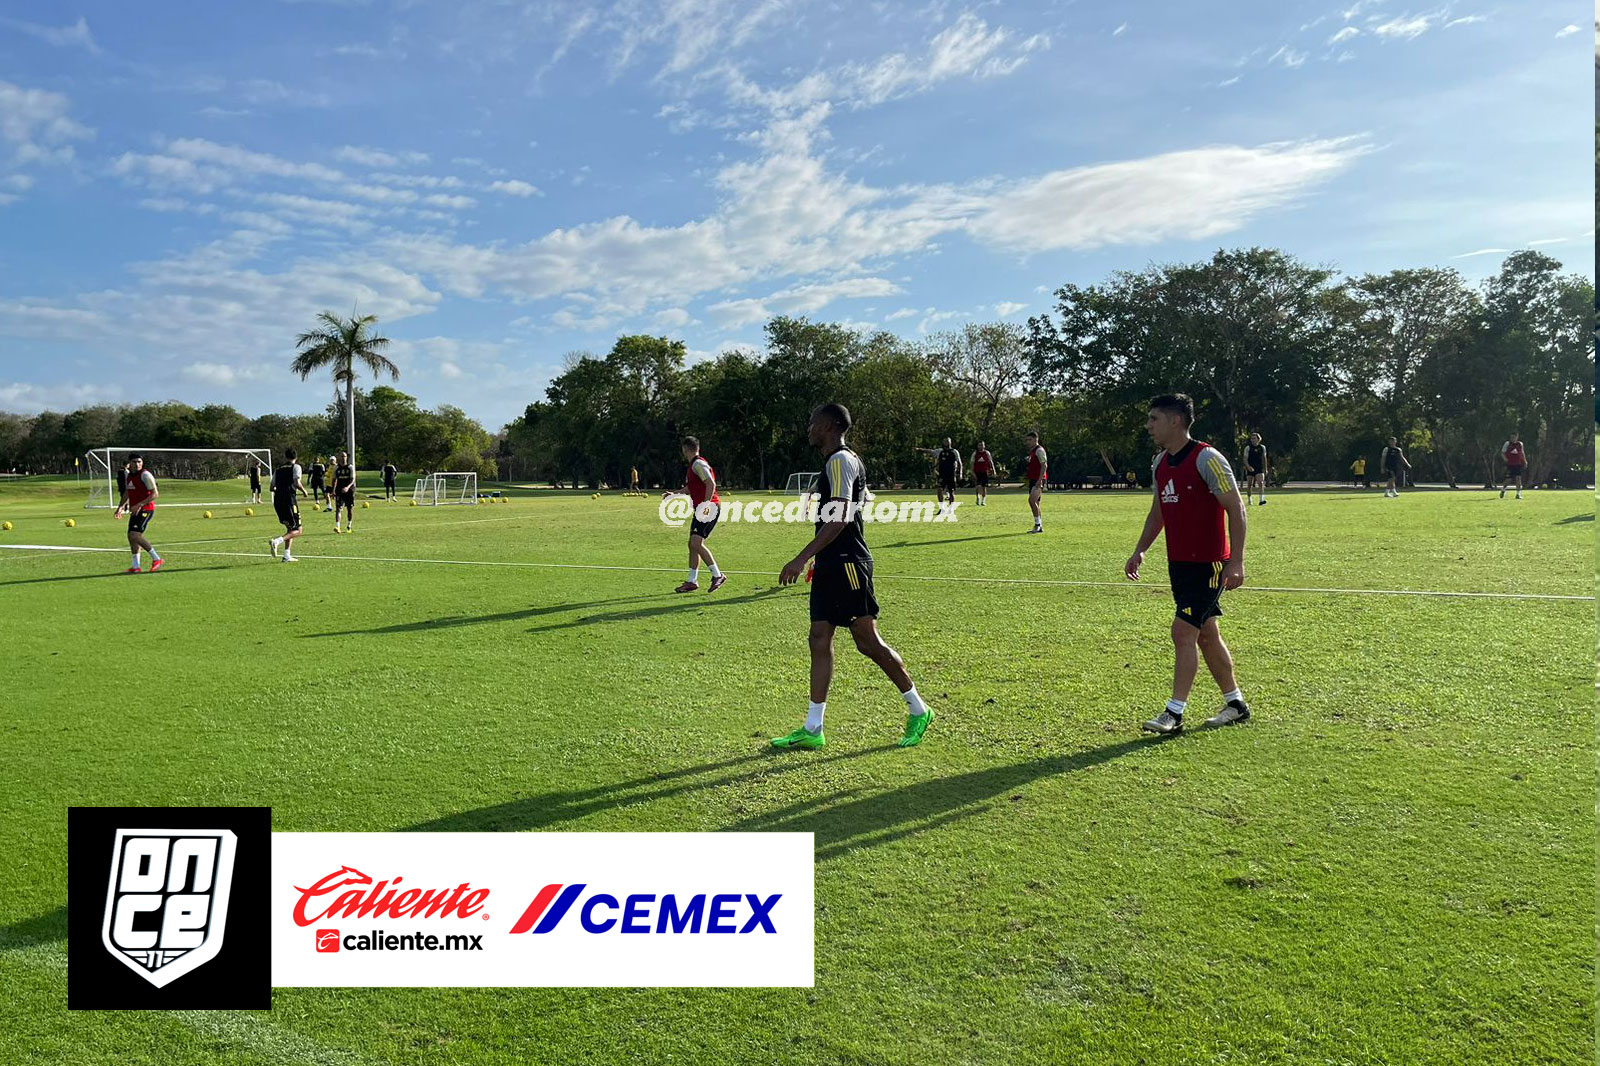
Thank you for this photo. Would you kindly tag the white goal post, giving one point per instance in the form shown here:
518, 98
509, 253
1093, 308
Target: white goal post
802, 484
211, 466
446, 486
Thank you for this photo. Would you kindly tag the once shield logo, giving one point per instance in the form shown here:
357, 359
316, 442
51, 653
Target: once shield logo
167, 903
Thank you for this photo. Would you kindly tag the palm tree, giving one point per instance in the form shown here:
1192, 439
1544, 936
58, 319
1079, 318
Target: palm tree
341, 343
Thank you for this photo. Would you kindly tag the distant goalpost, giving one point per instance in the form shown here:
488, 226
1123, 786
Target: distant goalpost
802, 484
446, 487
208, 465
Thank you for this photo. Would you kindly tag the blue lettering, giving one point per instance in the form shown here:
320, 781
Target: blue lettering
721, 910
688, 918
588, 908
637, 908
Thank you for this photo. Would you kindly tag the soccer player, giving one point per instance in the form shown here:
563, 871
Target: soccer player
1358, 471
1255, 469
318, 490
286, 493
344, 494
389, 473
1394, 463
633, 480
139, 500
949, 472
327, 492
841, 585
1197, 502
982, 467
1516, 457
1038, 471
700, 482
255, 479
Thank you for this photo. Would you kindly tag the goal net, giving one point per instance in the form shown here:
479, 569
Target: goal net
446, 487
802, 484
186, 477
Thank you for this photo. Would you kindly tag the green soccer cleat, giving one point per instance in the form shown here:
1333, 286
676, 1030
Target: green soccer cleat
800, 738
916, 725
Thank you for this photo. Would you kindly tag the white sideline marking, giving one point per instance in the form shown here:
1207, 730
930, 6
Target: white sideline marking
1045, 582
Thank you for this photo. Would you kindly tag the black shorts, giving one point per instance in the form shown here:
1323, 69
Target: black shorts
700, 529
1196, 589
139, 521
1514, 471
1251, 471
288, 514
841, 592
981, 477
346, 498
388, 484
1035, 483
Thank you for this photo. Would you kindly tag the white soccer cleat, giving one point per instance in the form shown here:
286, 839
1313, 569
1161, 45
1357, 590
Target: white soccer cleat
1165, 723
272, 546
1233, 712
287, 558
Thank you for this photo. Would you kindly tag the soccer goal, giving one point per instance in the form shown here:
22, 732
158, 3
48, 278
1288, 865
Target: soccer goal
802, 484
446, 487
186, 477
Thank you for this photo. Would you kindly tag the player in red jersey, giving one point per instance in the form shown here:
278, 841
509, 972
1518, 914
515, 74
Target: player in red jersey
139, 500
1516, 457
982, 468
1038, 470
700, 482
1197, 503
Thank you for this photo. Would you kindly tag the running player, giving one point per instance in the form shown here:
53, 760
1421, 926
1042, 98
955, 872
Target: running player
389, 474
1255, 469
318, 488
982, 467
139, 500
1516, 457
1358, 472
1038, 471
1394, 464
700, 482
841, 587
1197, 502
286, 493
255, 479
949, 472
344, 494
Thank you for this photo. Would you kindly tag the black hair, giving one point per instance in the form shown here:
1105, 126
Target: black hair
1175, 403
839, 414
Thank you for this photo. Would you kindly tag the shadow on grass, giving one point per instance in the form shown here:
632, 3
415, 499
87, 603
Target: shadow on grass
663, 603
44, 929
165, 575
1576, 518
557, 808
950, 540
842, 821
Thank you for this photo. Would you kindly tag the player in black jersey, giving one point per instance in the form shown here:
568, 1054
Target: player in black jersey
344, 494
841, 586
949, 461
286, 493
1255, 469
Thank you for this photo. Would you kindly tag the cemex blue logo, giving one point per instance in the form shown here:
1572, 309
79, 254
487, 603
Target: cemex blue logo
646, 912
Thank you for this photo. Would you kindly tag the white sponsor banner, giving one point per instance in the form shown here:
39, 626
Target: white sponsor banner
478, 910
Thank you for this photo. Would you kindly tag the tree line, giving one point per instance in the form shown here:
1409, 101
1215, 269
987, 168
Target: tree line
1325, 367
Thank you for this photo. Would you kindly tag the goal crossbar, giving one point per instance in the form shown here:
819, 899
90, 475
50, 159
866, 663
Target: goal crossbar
446, 487
104, 464
803, 483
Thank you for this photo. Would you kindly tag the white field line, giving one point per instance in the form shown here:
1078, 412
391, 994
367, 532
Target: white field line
241, 1030
1029, 581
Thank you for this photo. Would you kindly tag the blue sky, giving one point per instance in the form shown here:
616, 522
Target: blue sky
183, 185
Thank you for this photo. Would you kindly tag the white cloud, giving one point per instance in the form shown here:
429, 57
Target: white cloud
1344, 35
74, 36
377, 157
1466, 20
420, 181
310, 209
1406, 27
265, 91
380, 194
1288, 57
802, 299
1189, 195
671, 318
1008, 307
1482, 251
35, 123
1568, 30
449, 370
904, 312
25, 398
204, 165
221, 375
514, 188
455, 203
1120, 30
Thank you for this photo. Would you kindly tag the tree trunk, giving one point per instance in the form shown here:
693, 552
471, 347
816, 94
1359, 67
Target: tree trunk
349, 419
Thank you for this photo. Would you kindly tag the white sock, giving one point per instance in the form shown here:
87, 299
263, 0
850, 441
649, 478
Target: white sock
136, 560
913, 701
694, 575
814, 716
277, 541
714, 571
1177, 706
155, 556
1229, 697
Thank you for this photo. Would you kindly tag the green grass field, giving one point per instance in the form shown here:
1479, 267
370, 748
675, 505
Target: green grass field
1393, 862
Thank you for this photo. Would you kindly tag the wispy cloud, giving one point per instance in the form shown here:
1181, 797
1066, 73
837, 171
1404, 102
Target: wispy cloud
76, 35
514, 188
1120, 30
1288, 57
1406, 27
1344, 35
1568, 30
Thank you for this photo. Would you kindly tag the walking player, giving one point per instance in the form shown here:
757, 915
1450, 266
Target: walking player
982, 467
286, 493
139, 494
1516, 457
841, 586
1038, 473
1197, 503
700, 482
